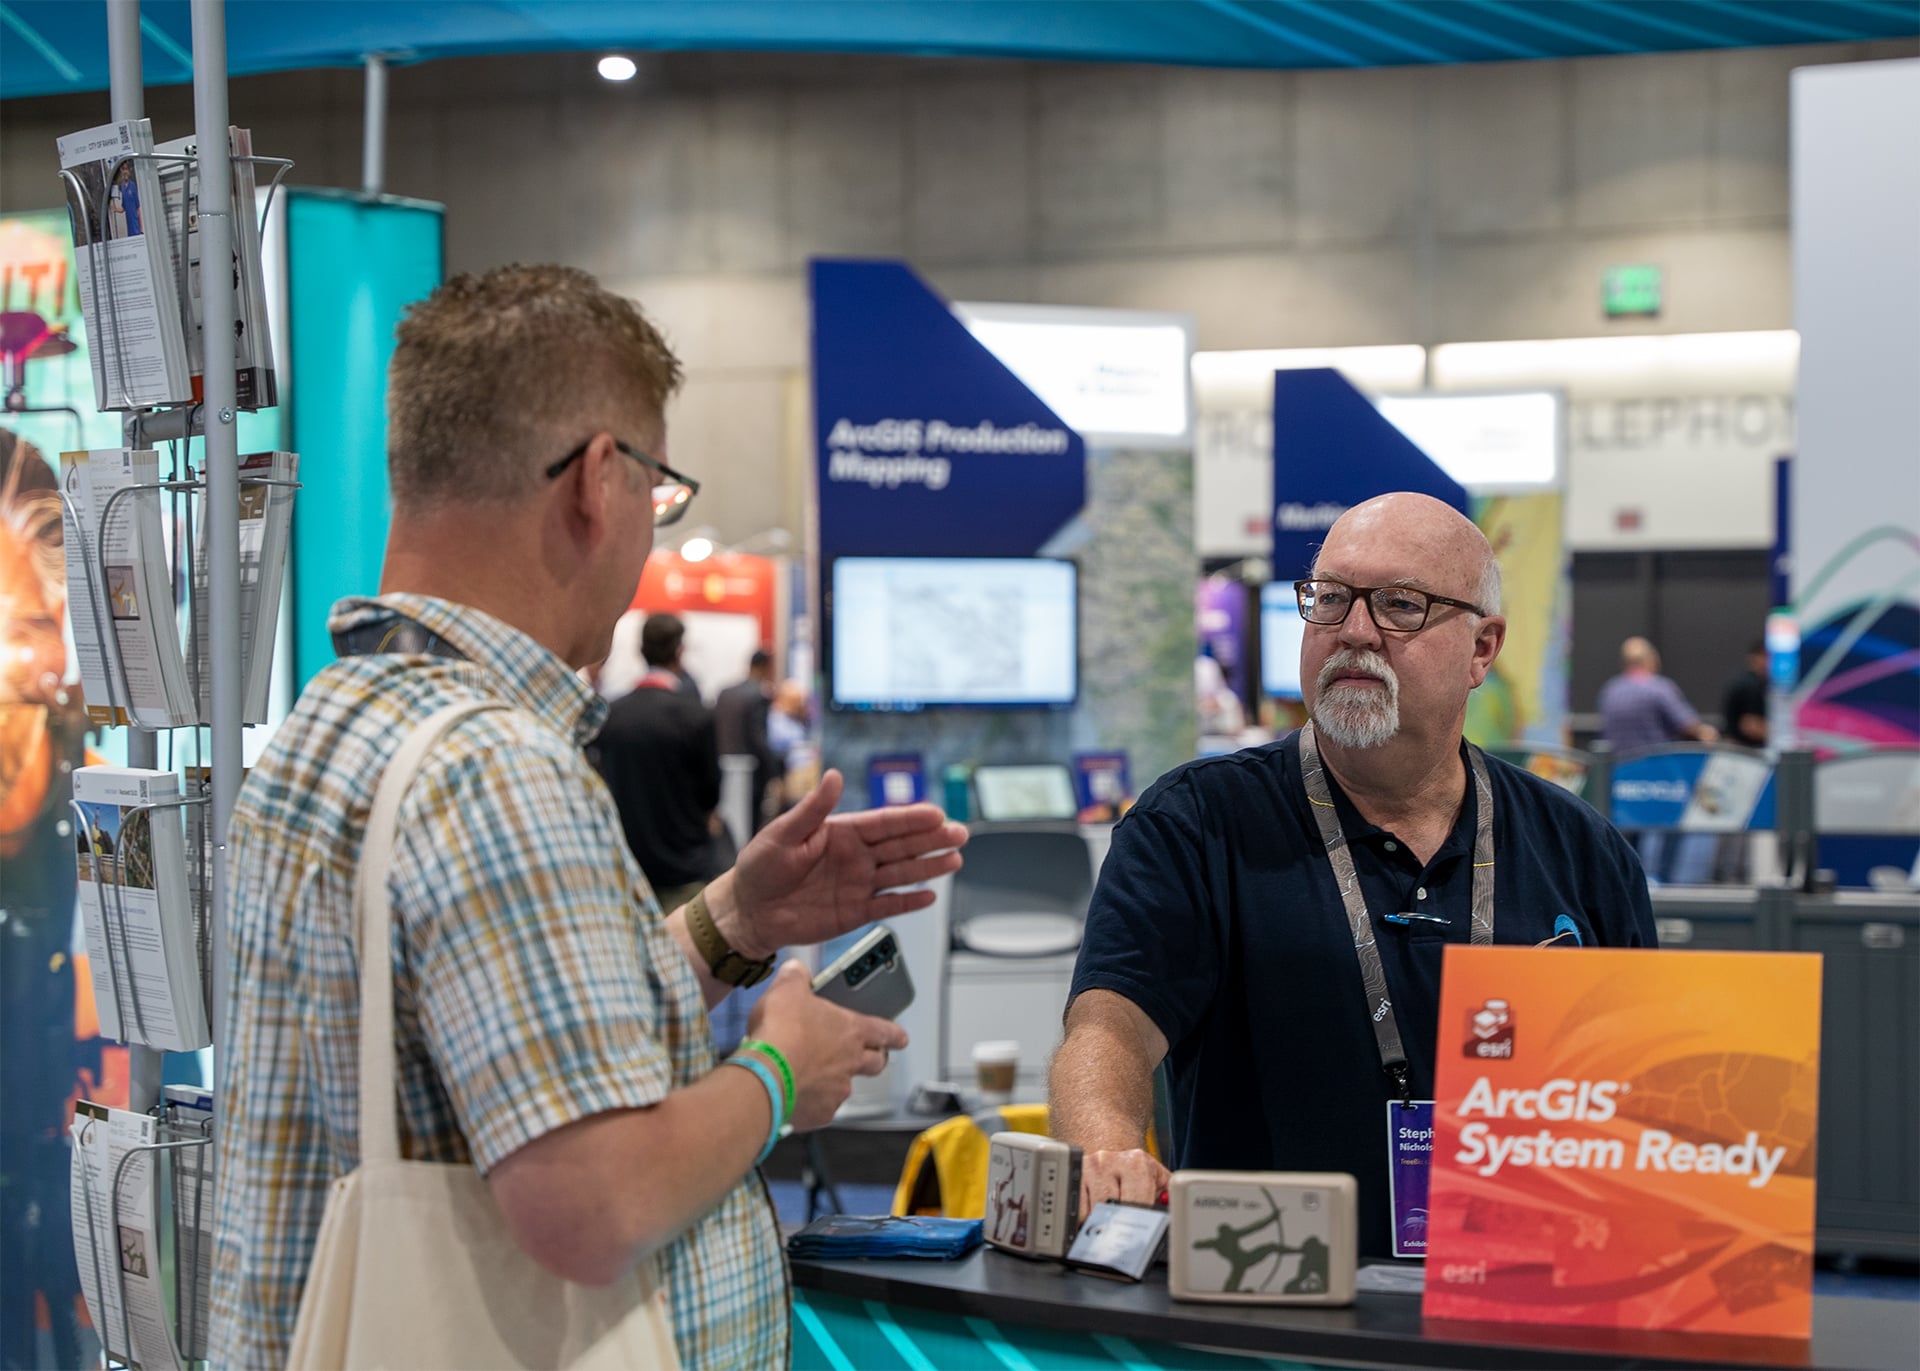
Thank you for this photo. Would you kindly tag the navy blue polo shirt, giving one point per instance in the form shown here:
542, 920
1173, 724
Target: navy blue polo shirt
1217, 914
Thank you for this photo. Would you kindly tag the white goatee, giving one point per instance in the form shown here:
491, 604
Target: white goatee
1357, 716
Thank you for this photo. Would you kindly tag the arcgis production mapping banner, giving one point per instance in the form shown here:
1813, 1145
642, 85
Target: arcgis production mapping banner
1332, 450
928, 446
1625, 1138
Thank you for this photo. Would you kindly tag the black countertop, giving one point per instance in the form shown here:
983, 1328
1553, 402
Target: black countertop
1378, 1330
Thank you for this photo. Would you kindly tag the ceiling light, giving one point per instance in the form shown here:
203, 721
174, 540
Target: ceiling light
618, 68
696, 549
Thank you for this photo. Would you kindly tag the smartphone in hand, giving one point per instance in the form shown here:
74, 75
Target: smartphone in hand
870, 977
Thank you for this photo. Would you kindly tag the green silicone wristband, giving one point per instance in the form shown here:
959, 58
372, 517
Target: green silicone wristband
772, 1054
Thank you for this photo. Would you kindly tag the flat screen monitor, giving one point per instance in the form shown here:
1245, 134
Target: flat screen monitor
1281, 629
912, 632
1042, 790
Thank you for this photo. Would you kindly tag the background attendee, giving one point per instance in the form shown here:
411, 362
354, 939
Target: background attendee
1640, 708
1221, 713
661, 762
740, 725
663, 647
1744, 707
789, 725
549, 1016
1218, 939
788, 719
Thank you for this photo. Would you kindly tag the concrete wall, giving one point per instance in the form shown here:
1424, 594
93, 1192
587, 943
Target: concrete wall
1419, 204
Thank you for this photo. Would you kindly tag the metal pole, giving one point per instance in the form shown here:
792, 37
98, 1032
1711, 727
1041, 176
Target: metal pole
123, 59
373, 148
128, 97
129, 103
222, 458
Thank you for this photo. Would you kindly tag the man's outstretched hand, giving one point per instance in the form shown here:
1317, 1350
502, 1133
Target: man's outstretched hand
812, 874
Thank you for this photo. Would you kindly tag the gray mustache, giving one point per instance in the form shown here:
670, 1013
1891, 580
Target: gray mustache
1355, 659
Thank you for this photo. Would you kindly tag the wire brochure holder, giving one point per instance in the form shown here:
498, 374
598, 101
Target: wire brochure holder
182, 1149
94, 560
126, 987
109, 316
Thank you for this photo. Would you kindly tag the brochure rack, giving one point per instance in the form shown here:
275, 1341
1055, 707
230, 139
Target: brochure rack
126, 988
184, 1152
109, 315
179, 1153
94, 559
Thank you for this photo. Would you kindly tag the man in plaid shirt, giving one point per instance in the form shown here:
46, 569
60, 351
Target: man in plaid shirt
550, 1020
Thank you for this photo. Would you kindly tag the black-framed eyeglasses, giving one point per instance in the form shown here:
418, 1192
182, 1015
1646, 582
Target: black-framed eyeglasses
672, 492
1395, 609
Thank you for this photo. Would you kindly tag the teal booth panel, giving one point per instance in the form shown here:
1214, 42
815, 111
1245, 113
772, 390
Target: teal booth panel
355, 264
833, 1333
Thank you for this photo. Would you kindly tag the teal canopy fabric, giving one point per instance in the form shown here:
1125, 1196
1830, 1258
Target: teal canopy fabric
54, 46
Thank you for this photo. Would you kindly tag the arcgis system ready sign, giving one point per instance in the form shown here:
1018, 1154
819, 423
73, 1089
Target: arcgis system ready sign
1625, 1138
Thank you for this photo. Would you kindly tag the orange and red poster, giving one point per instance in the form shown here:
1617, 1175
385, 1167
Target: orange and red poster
725, 583
1625, 1138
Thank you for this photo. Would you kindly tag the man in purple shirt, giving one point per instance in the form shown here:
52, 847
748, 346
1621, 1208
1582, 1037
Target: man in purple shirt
1640, 708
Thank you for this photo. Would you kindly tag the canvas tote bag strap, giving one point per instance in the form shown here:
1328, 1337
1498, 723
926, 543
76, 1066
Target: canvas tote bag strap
379, 1117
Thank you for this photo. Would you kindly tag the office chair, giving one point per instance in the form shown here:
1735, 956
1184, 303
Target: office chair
1023, 891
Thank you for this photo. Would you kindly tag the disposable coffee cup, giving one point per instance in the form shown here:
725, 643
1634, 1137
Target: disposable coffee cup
995, 1064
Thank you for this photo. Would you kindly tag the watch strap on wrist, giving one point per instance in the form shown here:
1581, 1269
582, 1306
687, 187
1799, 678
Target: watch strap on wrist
728, 966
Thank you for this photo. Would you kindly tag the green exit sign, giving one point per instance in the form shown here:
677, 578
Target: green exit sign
1632, 291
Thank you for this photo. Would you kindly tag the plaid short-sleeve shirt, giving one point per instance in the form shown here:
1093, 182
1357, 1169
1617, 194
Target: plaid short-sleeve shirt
535, 981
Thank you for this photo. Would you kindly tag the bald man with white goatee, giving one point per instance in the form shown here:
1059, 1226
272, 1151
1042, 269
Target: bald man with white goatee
1220, 942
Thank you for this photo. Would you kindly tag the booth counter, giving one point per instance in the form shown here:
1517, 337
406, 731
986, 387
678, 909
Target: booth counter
1024, 1299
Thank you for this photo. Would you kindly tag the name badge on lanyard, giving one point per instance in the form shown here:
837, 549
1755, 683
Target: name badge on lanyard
1409, 1121
1409, 1164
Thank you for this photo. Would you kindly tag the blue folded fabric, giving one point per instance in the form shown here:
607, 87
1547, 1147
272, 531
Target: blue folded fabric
850, 1235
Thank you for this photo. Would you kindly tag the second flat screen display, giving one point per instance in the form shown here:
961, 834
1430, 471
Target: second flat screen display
910, 632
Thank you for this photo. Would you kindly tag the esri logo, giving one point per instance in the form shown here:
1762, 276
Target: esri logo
1490, 1031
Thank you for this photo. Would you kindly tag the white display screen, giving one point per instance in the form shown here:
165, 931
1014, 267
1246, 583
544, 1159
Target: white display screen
908, 632
1485, 442
1041, 791
1104, 379
1281, 629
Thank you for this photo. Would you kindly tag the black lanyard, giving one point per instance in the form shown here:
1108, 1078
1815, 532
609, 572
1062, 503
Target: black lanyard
1373, 976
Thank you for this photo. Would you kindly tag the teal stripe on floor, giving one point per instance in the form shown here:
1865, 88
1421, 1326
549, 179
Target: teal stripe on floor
1003, 1351
915, 1359
845, 1327
823, 1343
831, 1333
1124, 1352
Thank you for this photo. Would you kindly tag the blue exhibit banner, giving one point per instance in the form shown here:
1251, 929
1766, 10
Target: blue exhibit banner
1332, 450
928, 446
896, 778
1698, 792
